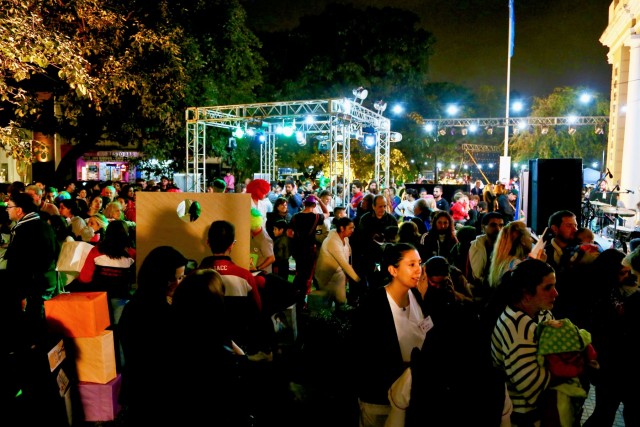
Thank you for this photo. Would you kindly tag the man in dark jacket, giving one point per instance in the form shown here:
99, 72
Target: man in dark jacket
31, 258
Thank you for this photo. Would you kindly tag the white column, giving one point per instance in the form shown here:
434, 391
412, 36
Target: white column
630, 177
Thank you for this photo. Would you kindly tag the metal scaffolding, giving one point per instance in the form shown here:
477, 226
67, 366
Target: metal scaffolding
516, 121
339, 121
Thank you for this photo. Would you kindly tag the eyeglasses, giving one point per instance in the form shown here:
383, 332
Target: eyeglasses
12, 207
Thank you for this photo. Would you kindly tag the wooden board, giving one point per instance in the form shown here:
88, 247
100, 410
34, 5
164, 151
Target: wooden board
158, 223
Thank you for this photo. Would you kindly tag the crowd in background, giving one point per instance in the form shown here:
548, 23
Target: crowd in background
426, 280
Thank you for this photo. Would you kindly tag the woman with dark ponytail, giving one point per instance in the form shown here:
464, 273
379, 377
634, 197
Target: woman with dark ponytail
387, 326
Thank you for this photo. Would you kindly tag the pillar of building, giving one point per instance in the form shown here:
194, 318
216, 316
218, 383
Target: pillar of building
630, 178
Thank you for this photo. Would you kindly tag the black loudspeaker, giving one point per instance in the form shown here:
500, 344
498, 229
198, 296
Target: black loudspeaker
554, 185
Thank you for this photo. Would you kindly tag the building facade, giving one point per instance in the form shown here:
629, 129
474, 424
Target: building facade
622, 37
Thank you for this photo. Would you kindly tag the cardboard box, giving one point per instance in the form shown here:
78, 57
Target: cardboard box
285, 326
95, 358
56, 355
78, 314
100, 401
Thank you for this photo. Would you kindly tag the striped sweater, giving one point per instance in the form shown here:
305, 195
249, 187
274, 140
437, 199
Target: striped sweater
514, 351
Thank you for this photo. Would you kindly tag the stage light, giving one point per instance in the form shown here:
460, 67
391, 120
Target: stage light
464, 131
309, 120
489, 130
380, 106
323, 146
360, 94
544, 130
429, 127
522, 125
251, 132
301, 139
398, 109
287, 131
473, 128
261, 137
517, 106
238, 133
599, 130
594, 165
395, 137
585, 98
571, 130
369, 140
442, 132
452, 109
232, 144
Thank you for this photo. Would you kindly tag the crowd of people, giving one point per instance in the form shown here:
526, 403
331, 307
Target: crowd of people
447, 301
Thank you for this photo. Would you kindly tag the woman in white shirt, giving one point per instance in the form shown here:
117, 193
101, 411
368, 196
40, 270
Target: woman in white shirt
332, 266
404, 209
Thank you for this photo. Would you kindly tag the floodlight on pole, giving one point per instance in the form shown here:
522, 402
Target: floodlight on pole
398, 109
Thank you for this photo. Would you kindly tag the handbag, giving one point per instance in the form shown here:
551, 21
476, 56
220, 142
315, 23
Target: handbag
72, 256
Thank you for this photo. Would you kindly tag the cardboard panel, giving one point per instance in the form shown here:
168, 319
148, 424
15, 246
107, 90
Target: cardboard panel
95, 358
158, 223
78, 314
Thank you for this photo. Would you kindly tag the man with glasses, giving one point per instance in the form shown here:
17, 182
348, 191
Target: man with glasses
31, 261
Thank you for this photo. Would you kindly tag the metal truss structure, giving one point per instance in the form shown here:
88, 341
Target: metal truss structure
478, 148
516, 121
337, 121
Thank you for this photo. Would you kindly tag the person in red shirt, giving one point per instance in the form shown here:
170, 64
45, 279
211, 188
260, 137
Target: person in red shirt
460, 208
356, 198
238, 281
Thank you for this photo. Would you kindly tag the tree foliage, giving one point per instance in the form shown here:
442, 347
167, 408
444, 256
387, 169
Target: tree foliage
122, 71
558, 142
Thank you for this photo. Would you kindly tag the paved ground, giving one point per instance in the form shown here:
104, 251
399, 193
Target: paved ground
590, 404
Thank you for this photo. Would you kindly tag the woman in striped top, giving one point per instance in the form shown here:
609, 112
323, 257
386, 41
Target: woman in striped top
529, 292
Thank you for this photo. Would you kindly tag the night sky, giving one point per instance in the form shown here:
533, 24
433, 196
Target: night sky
556, 41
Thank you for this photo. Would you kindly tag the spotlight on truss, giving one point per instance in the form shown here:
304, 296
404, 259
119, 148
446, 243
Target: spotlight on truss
380, 106
360, 94
395, 137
